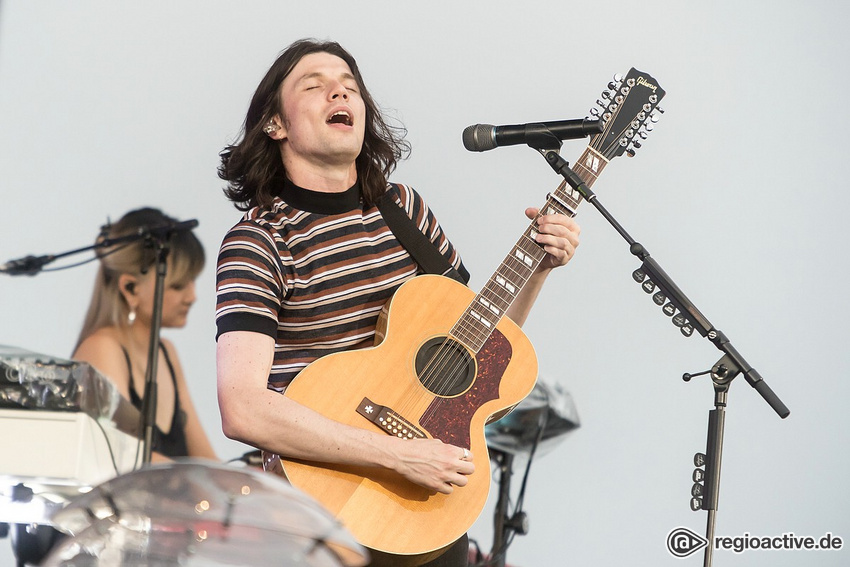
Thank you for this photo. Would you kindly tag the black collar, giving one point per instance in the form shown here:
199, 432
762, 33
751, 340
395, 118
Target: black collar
318, 201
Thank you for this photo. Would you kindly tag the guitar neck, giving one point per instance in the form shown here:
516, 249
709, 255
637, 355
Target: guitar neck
502, 289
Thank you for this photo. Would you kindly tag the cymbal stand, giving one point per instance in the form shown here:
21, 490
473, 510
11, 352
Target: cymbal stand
504, 526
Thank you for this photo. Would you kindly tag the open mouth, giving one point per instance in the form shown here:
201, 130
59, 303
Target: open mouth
340, 117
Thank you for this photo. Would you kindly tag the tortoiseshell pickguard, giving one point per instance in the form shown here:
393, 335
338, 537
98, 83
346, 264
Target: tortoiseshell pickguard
449, 419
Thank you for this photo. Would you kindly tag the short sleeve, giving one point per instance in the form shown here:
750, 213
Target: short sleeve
249, 280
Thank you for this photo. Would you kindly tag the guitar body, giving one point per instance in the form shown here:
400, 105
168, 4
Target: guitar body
378, 506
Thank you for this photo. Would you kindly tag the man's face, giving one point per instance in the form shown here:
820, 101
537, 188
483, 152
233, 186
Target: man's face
324, 116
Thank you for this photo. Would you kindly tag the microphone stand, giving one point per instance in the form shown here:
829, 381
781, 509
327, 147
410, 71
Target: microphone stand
688, 319
149, 402
158, 238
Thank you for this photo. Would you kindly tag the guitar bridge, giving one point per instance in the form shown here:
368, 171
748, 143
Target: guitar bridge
388, 420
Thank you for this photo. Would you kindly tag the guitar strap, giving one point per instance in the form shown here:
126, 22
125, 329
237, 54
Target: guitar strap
420, 248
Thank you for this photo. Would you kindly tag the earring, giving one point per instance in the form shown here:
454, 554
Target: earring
270, 128
131, 316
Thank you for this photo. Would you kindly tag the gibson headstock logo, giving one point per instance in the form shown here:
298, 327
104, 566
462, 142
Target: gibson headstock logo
647, 84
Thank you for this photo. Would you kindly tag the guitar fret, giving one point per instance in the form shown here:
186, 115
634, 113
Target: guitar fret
517, 271
589, 166
497, 304
493, 302
561, 206
464, 335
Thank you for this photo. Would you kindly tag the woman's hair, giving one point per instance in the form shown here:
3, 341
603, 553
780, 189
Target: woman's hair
251, 165
137, 257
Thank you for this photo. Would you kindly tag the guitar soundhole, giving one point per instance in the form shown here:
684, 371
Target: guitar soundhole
445, 367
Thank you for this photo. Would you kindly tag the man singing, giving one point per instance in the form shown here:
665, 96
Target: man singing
307, 270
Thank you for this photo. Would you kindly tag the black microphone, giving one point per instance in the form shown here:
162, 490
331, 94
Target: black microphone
28, 266
483, 137
170, 228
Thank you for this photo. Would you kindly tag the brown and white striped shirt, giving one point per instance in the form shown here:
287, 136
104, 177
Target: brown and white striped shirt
314, 270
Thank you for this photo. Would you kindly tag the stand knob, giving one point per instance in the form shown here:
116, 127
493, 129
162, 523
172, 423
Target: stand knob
518, 523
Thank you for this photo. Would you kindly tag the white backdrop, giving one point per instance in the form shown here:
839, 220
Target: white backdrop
739, 194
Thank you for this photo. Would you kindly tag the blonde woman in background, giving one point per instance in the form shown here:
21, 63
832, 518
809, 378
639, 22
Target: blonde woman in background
115, 337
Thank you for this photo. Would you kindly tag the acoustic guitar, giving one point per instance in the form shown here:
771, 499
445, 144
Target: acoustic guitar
446, 363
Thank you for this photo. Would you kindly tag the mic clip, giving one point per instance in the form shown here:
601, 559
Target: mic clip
539, 137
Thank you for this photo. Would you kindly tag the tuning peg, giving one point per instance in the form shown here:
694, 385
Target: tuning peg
648, 286
699, 475
696, 504
606, 94
594, 112
654, 117
659, 298
699, 459
679, 320
696, 489
659, 109
687, 329
639, 275
630, 152
618, 78
649, 127
669, 309
642, 134
636, 144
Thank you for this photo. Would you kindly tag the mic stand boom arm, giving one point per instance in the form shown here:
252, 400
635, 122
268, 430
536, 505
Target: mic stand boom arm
670, 289
722, 373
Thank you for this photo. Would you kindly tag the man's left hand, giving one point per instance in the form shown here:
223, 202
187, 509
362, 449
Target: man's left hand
559, 236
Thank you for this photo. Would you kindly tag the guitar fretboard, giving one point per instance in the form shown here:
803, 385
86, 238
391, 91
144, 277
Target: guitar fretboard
501, 290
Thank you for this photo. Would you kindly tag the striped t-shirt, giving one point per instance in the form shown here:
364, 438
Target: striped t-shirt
313, 272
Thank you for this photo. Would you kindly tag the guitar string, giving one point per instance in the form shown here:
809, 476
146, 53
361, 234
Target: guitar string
446, 369
436, 369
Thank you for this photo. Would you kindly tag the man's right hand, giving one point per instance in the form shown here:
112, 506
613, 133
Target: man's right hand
433, 464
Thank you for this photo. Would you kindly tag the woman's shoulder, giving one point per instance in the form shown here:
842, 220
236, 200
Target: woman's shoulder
169, 347
104, 337
104, 343
104, 350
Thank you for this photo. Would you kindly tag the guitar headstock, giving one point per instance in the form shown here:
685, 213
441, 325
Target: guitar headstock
628, 111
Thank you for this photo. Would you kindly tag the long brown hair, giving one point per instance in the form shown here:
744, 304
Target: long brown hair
108, 307
251, 165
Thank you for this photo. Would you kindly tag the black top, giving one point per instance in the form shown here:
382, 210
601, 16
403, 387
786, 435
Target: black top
174, 443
